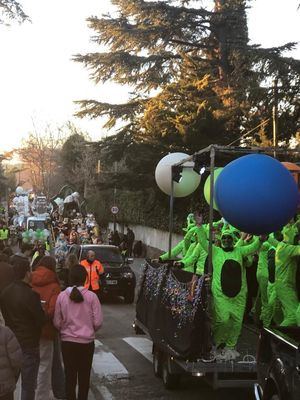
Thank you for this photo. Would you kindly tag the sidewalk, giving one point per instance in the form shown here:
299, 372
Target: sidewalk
17, 395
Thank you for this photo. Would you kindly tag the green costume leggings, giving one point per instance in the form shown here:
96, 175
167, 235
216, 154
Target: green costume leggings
227, 318
287, 296
263, 291
272, 311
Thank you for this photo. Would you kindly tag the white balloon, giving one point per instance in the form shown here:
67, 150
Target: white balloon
188, 183
46, 233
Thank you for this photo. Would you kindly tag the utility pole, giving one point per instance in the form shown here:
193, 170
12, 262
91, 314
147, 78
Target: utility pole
275, 114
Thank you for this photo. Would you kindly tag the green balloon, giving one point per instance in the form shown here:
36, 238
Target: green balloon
207, 186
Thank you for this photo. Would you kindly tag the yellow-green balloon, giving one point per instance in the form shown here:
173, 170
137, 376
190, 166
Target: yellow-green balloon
207, 186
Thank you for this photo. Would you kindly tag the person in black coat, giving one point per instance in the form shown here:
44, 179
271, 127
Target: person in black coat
138, 249
130, 240
23, 314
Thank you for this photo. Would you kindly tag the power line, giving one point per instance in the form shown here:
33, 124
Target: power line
263, 123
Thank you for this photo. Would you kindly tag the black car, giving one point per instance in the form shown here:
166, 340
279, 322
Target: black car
278, 364
118, 277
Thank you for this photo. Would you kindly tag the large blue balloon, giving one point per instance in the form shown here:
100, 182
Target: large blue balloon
256, 194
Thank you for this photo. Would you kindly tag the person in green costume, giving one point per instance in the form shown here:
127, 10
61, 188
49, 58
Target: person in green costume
272, 311
194, 261
190, 222
285, 275
229, 289
262, 275
182, 248
176, 251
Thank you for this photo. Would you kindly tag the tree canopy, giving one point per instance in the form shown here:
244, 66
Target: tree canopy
195, 80
194, 75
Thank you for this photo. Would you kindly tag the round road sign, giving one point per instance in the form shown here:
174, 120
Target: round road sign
114, 210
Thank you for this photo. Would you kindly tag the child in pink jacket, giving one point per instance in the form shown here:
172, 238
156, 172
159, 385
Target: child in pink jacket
78, 316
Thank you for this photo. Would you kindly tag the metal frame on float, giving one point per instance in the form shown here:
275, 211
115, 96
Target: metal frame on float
212, 151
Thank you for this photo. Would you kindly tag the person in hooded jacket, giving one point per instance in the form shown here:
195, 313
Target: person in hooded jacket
78, 316
44, 281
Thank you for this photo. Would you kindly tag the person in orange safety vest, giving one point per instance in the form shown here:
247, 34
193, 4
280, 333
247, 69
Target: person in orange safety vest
94, 269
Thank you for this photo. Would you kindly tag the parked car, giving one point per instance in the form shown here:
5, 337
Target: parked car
278, 364
118, 278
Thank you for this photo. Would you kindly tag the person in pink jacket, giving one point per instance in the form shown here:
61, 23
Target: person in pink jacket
77, 316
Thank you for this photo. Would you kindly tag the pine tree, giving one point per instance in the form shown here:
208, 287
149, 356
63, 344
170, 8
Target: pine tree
194, 75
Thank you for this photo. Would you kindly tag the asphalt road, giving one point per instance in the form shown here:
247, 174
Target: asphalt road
122, 366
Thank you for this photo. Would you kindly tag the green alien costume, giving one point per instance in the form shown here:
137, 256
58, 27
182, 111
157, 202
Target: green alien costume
195, 258
195, 261
285, 275
229, 288
179, 249
271, 310
182, 248
262, 275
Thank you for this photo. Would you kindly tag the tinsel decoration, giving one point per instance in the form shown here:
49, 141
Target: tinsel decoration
183, 299
152, 280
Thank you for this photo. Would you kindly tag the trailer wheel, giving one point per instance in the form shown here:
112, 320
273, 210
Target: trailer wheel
157, 363
137, 329
171, 381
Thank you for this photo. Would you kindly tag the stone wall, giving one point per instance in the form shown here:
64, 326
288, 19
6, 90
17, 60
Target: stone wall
154, 240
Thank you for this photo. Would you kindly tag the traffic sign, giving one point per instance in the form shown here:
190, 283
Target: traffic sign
114, 210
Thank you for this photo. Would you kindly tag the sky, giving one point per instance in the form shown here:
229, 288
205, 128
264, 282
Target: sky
39, 82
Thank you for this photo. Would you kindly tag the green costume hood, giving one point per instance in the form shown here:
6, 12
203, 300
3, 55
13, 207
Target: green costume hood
190, 221
227, 232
